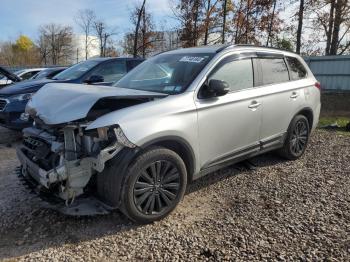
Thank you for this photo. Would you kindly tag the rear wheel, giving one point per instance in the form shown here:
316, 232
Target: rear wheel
297, 138
155, 183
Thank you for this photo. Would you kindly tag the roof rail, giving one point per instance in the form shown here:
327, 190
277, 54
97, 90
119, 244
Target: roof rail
223, 47
268, 47
229, 45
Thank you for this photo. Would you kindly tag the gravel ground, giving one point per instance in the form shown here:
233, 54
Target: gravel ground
282, 211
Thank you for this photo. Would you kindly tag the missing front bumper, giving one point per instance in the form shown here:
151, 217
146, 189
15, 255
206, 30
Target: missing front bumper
81, 206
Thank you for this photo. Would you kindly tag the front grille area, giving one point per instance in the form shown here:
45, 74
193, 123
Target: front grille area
3, 103
39, 151
33, 143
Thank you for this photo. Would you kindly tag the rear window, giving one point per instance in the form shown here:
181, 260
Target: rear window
274, 70
296, 69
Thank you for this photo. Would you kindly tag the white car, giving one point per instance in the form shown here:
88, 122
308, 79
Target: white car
174, 118
24, 74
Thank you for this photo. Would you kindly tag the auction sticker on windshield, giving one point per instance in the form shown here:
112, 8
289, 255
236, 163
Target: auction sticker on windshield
192, 59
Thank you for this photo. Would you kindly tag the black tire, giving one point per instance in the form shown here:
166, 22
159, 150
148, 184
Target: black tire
297, 138
154, 184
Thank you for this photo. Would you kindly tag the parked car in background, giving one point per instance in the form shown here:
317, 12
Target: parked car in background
173, 119
104, 71
23, 74
48, 73
6, 77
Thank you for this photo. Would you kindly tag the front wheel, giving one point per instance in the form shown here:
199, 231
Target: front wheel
297, 138
155, 183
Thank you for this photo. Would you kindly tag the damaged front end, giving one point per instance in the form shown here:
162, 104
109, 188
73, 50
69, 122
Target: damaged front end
63, 161
62, 155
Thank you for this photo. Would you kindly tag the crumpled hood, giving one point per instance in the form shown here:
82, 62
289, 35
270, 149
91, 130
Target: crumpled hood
59, 103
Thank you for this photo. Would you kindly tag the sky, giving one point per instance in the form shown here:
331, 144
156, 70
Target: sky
25, 16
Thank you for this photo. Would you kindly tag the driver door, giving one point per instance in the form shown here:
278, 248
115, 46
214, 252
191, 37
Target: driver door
229, 125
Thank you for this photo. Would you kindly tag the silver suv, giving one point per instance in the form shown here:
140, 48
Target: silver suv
174, 118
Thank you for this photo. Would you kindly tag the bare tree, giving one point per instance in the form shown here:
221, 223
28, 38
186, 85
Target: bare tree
190, 15
103, 34
211, 12
271, 22
332, 17
329, 32
341, 10
224, 21
85, 20
56, 42
147, 39
139, 15
300, 25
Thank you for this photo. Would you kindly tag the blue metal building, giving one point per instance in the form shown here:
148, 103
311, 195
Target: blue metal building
333, 72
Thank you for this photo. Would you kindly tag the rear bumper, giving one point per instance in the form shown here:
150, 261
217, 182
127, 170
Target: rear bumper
316, 116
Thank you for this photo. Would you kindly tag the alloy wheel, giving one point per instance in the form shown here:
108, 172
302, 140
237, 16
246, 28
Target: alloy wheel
157, 187
299, 137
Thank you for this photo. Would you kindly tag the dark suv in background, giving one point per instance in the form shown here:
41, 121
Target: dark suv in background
102, 71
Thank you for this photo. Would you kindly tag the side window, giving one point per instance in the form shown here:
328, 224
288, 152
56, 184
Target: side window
28, 75
297, 70
238, 74
133, 63
111, 71
274, 70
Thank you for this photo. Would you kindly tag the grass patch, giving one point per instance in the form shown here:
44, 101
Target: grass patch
340, 121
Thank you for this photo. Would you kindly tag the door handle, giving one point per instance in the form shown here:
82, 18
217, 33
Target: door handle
254, 104
294, 95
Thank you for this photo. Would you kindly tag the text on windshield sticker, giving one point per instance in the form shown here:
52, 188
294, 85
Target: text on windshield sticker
192, 59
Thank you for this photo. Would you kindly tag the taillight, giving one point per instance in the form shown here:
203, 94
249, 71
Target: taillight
318, 85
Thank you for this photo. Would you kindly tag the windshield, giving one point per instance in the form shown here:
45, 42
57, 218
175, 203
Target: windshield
165, 73
76, 71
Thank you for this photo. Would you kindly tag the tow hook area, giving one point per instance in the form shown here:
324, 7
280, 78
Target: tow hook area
81, 206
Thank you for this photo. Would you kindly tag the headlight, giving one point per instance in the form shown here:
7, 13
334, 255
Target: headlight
122, 139
22, 97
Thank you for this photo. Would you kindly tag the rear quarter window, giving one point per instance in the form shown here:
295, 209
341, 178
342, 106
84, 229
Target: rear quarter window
296, 69
274, 70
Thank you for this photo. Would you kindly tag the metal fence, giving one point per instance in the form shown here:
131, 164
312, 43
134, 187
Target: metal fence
333, 72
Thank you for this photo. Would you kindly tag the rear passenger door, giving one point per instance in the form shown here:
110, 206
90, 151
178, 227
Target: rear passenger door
281, 98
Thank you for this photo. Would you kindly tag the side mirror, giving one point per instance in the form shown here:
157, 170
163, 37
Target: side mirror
214, 88
94, 79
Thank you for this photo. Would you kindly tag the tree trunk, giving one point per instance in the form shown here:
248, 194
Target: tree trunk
206, 33
300, 26
247, 22
330, 27
137, 28
224, 22
337, 22
271, 22
144, 33
195, 27
86, 45
238, 25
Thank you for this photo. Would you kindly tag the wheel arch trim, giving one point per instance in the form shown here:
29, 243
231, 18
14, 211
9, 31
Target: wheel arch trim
190, 157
